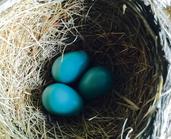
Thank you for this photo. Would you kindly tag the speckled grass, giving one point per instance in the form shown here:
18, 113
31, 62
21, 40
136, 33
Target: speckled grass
114, 34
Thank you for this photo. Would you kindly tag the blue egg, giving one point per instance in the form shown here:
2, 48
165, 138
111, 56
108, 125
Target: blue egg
61, 100
96, 82
68, 68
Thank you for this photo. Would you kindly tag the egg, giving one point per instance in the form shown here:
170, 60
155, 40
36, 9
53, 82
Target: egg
96, 82
61, 100
70, 66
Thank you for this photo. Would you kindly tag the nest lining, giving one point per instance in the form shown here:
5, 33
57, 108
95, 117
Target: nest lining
115, 35
124, 43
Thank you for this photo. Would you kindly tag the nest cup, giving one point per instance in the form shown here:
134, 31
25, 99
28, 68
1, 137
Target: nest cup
120, 35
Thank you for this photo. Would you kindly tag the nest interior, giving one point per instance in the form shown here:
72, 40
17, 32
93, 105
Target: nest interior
114, 33
115, 36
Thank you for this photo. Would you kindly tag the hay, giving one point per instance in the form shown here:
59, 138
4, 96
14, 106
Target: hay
115, 34
30, 34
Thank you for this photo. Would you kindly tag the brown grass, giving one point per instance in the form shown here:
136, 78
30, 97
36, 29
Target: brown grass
115, 35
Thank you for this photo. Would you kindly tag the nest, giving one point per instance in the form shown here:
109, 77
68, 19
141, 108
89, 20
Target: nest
116, 34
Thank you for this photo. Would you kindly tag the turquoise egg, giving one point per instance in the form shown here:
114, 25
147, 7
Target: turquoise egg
61, 100
68, 68
96, 82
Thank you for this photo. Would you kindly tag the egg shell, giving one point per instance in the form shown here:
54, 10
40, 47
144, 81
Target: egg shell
96, 82
61, 100
68, 68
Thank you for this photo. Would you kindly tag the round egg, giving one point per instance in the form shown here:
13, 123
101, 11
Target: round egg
96, 82
67, 68
61, 100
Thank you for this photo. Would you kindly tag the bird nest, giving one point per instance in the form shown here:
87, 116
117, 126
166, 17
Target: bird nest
116, 34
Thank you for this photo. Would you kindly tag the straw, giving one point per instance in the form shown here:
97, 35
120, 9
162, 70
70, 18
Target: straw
114, 33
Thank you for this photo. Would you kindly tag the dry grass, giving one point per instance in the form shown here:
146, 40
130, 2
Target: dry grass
115, 35
30, 34
168, 11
